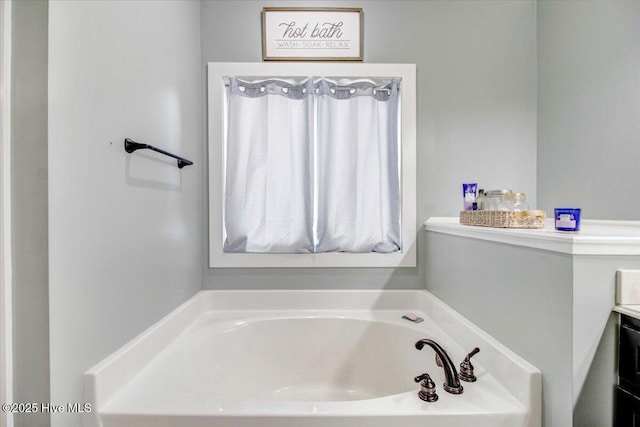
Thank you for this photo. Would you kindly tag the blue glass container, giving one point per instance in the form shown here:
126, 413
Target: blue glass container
567, 219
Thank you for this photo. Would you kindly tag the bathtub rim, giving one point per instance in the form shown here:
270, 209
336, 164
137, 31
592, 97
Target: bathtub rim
106, 378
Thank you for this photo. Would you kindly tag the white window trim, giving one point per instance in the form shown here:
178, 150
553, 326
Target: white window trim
218, 258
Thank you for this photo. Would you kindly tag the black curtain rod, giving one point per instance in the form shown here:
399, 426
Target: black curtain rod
130, 146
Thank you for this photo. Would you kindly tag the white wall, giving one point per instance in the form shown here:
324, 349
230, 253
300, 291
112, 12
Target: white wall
588, 109
595, 337
476, 63
126, 230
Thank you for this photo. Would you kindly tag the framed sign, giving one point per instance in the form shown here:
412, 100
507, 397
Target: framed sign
312, 34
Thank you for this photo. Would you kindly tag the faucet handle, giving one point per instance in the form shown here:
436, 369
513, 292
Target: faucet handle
427, 388
466, 368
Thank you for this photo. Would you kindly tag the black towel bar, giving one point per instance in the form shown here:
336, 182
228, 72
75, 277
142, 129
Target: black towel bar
130, 146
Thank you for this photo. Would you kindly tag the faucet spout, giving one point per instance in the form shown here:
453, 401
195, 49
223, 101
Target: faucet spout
452, 381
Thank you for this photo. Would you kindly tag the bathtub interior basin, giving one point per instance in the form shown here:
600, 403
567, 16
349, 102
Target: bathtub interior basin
306, 358
221, 360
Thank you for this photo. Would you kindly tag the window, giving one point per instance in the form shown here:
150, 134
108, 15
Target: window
311, 171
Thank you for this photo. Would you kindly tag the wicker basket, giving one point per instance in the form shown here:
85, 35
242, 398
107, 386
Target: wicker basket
504, 219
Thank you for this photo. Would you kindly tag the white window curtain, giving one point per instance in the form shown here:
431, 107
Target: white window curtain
268, 193
312, 165
358, 186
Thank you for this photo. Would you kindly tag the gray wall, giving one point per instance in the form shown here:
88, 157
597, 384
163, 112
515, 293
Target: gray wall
476, 63
125, 234
476, 122
588, 109
551, 308
521, 296
29, 208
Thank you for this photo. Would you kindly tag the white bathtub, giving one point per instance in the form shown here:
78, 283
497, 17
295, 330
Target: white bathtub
308, 358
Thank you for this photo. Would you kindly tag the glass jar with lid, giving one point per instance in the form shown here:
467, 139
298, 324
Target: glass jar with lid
520, 202
513, 202
493, 198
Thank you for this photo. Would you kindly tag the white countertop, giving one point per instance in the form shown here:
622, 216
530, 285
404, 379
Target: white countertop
595, 237
629, 310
